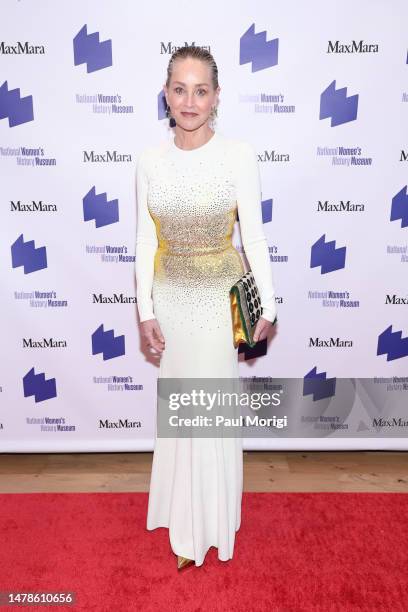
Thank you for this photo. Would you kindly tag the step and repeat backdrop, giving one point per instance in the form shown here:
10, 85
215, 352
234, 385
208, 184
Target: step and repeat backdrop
321, 91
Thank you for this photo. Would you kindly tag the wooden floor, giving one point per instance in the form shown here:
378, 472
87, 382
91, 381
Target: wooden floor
371, 471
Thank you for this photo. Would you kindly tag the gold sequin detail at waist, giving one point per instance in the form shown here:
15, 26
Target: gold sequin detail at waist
196, 249
205, 269
195, 234
175, 248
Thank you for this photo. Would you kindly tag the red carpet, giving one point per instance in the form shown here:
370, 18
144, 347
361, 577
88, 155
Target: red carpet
294, 552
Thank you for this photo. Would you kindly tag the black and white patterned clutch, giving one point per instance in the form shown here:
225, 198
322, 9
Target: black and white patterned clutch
246, 309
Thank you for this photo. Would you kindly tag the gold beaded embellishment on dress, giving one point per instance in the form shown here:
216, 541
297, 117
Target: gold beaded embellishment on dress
196, 250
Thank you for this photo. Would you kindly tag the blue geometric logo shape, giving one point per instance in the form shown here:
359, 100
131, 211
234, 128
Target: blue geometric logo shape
399, 207
90, 51
161, 105
98, 208
13, 107
392, 344
36, 385
105, 342
335, 104
318, 385
25, 254
256, 49
326, 255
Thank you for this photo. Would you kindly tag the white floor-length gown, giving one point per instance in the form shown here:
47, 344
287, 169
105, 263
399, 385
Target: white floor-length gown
185, 266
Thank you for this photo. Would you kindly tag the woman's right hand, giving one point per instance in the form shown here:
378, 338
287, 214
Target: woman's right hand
152, 335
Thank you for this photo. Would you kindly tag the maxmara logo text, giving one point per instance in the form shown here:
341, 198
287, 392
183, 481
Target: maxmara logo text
20, 48
352, 47
106, 157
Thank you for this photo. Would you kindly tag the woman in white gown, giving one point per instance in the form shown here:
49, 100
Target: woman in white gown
189, 190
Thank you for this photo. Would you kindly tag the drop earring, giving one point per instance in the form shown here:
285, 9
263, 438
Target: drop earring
213, 115
168, 115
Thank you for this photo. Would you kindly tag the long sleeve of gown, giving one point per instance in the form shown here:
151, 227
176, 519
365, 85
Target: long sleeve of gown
146, 245
254, 241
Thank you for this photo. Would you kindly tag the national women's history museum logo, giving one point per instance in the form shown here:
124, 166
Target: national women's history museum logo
341, 109
112, 254
332, 298
41, 299
16, 108
399, 207
24, 254
392, 344
97, 55
337, 105
108, 345
98, 208
399, 212
104, 103
345, 156
89, 50
326, 256
29, 157
114, 383
255, 49
39, 387
318, 385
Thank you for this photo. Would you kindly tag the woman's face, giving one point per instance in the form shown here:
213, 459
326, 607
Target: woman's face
190, 94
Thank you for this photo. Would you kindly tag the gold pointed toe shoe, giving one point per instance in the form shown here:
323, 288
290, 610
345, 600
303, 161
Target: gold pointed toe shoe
183, 562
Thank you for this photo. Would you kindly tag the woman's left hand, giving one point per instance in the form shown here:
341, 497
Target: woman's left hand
262, 329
